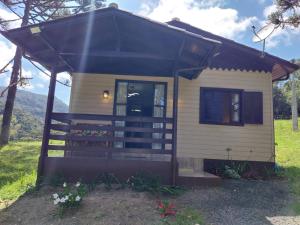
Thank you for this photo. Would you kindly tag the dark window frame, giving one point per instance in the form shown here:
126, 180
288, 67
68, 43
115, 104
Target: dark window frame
228, 90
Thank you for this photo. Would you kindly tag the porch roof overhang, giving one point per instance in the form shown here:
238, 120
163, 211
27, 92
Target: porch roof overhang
112, 41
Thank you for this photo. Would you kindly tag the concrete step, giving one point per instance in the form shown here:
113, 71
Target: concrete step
191, 173
194, 176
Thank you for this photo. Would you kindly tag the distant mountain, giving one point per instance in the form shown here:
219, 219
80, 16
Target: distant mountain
29, 112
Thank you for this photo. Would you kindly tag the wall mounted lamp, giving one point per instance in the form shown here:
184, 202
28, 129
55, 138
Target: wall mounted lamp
105, 94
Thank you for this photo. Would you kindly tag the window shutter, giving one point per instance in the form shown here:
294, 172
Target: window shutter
253, 107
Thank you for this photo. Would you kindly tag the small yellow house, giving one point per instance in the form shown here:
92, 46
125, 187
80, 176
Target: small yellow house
166, 98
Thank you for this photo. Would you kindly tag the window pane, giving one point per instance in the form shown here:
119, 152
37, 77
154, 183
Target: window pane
118, 144
157, 136
122, 92
121, 110
156, 146
120, 123
158, 112
119, 133
159, 95
235, 113
226, 106
212, 106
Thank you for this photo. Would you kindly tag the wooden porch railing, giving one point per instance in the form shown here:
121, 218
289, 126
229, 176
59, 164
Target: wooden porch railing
95, 134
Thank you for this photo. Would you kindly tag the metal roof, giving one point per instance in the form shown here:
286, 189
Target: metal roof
233, 55
114, 41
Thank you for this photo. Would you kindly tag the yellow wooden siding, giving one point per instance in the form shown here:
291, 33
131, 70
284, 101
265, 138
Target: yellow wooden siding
87, 92
249, 142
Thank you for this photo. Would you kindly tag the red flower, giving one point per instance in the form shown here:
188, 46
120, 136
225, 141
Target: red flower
166, 208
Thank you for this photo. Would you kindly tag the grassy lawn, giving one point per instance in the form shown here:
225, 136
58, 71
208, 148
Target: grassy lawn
18, 163
288, 155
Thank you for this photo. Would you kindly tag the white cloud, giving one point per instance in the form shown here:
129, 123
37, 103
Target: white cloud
207, 15
64, 77
269, 9
7, 51
6, 15
26, 73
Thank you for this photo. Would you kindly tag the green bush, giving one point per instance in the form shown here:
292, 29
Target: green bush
108, 179
231, 173
145, 182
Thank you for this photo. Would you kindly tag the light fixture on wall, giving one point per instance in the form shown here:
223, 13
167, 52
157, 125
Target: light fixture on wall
106, 94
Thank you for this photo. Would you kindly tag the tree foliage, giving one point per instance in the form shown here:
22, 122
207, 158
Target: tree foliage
287, 13
282, 97
45, 10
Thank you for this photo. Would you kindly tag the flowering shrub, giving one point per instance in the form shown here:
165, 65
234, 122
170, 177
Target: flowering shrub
71, 196
166, 208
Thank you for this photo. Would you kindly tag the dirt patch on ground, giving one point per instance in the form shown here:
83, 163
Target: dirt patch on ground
234, 202
122, 207
243, 202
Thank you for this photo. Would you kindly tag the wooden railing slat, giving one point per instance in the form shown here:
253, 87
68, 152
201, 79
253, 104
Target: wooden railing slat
77, 116
57, 147
104, 149
109, 138
67, 128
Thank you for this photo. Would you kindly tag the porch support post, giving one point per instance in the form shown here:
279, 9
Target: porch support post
46, 133
174, 134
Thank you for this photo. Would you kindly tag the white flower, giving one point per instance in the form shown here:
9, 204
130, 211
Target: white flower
55, 195
62, 200
77, 199
56, 201
66, 197
65, 184
77, 184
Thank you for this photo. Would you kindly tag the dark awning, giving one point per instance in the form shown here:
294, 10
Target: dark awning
233, 55
113, 41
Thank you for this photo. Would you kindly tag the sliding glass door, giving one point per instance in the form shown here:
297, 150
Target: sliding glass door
139, 99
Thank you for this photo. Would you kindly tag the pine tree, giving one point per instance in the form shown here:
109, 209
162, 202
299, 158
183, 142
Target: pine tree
32, 12
287, 13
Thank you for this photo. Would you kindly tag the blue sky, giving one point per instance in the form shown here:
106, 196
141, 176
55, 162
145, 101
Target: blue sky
229, 18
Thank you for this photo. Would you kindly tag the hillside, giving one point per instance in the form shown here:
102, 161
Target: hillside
28, 115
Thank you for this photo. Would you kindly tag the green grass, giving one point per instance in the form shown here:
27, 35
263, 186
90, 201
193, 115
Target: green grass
288, 155
18, 163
